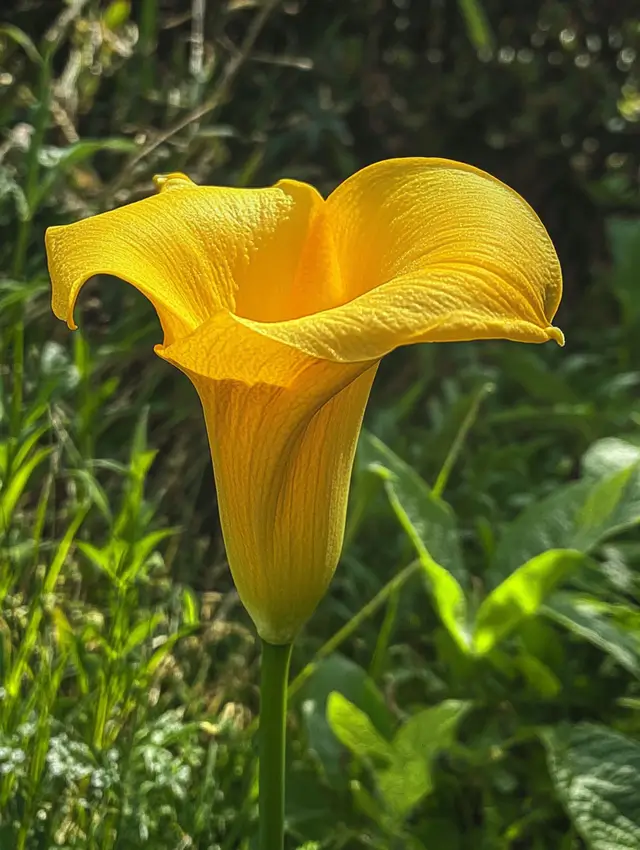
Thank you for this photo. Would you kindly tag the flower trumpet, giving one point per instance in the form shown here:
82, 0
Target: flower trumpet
279, 305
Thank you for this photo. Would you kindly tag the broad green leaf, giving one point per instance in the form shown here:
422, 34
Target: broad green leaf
431, 517
541, 382
612, 505
607, 456
547, 524
430, 525
408, 779
367, 804
578, 516
338, 673
539, 677
521, 595
429, 730
353, 728
404, 785
596, 772
584, 616
310, 805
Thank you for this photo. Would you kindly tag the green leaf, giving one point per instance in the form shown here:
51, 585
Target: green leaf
31, 634
540, 381
366, 803
189, 607
142, 631
404, 777
94, 490
596, 772
64, 547
338, 673
578, 516
431, 517
23, 40
72, 644
607, 456
539, 677
612, 505
116, 14
162, 651
419, 740
585, 616
138, 555
310, 805
57, 161
101, 558
24, 448
14, 487
430, 525
478, 28
521, 595
19, 291
353, 728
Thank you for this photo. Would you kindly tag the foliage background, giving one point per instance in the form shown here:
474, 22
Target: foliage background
127, 667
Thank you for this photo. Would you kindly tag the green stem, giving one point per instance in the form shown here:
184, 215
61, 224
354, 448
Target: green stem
346, 631
273, 715
471, 416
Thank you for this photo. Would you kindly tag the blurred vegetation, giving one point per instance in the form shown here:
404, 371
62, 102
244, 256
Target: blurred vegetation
127, 667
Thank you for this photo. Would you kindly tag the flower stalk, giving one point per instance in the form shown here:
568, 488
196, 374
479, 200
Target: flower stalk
273, 712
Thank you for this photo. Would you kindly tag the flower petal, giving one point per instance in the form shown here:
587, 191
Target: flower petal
454, 305
283, 428
192, 251
430, 251
405, 216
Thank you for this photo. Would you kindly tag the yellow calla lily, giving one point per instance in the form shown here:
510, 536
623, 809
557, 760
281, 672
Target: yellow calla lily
278, 305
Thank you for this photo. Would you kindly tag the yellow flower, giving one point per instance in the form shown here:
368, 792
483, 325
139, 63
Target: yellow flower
278, 305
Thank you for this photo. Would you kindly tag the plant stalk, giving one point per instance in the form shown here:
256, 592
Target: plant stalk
273, 714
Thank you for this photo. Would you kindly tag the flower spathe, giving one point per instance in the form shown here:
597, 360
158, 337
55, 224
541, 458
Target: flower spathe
278, 305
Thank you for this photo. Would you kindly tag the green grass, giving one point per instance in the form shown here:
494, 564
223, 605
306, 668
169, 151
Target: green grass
429, 710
